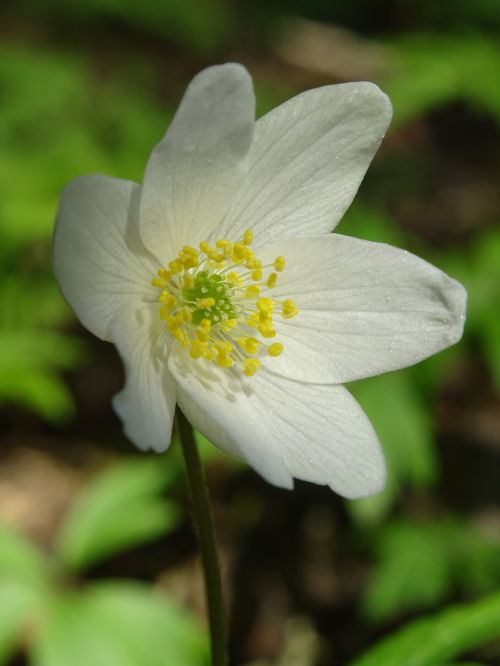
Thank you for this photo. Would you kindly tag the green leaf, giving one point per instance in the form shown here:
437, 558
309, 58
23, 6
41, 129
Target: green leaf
20, 559
420, 562
19, 603
435, 640
369, 223
118, 509
403, 426
25, 581
70, 634
468, 67
414, 569
155, 629
30, 353
118, 624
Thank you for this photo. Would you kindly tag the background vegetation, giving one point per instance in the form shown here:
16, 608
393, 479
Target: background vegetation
97, 559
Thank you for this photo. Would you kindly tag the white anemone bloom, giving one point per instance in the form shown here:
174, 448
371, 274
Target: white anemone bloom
221, 285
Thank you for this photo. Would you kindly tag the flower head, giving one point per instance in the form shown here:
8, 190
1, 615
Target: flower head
220, 283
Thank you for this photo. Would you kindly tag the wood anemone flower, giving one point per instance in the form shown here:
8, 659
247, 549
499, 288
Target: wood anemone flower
221, 285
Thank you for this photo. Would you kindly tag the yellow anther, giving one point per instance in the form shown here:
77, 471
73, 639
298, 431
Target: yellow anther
250, 366
202, 334
179, 334
163, 273
223, 347
279, 263
158, 282
205, 247
288, 309
226, 246
257, 274
169, 301
187, 249
185, 315
228, 324
188, 261
275, 349
188, 281
253, 320
290, 314
206, 324
204, 303
265, 305
198, 349
251, 260
250, 345
252, 291
234, 278
266, 330
175, 266
271, 280
240, 253
224, 361
248, 237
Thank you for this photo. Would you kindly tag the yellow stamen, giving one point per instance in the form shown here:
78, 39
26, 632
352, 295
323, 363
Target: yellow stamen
279, 264
250, 366
265, 305
250, 345
204, 303
288, 309
275, 349
210, 296
271, 280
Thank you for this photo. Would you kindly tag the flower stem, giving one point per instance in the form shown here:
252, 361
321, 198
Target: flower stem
206, 540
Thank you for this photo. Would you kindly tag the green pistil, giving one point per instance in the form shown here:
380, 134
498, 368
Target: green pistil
210, 285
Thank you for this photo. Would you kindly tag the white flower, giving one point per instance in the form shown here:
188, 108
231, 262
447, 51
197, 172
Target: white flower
253, 338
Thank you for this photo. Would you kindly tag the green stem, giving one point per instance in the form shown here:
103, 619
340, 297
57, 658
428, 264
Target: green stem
207, 542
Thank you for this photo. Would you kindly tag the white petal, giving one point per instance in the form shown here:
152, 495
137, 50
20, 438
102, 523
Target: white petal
307, 161
194, 172
365, 308
99, 260
283, 428
146, 405
201, 420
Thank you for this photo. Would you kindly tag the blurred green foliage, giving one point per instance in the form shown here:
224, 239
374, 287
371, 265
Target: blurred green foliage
60, 620
467, 69
433, 641
423, 563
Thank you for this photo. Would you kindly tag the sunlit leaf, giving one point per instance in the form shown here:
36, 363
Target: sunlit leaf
468, 68
25, 582
413, 572
118, 624
403, 426
19, 604
435, 640
118, 509
21, 559
420, 563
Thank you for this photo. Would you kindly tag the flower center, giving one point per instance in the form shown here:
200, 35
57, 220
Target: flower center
217, 303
